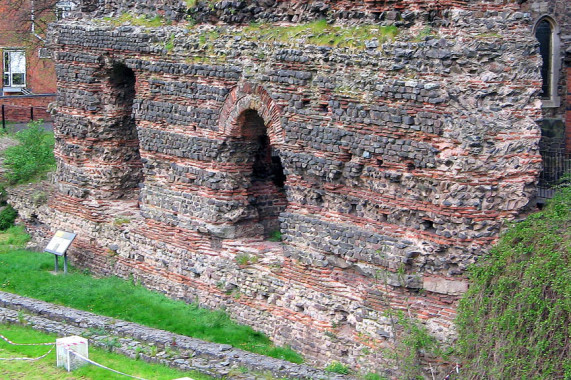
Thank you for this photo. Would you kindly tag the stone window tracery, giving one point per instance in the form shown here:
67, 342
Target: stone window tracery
547, 34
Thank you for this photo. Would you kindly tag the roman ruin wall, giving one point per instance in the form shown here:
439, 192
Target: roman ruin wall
389, 162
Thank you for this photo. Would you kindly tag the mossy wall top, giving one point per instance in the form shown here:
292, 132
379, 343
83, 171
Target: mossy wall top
242, 12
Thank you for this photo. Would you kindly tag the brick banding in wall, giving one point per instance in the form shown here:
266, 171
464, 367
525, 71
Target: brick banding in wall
388, 167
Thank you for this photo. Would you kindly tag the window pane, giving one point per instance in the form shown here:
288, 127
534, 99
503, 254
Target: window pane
543, 33
6, 62
17, 62
18, 79
6, 80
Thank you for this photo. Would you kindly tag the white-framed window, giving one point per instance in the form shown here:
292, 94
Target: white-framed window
547, 33
44, 53
14, 68
64, 8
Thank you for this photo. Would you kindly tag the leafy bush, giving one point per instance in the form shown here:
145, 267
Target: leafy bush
514, 320
337, 367
275, 236
7, 217
32, 157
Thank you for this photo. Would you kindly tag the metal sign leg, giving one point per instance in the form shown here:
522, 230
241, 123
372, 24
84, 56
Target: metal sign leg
57, 264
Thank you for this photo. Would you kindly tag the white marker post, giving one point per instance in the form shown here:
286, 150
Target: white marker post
67, 359
59, 245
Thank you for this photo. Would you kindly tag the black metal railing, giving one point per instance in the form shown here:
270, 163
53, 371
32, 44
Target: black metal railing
556, 168
22, 114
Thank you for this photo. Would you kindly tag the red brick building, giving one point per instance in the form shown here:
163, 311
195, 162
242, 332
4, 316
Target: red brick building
28, 76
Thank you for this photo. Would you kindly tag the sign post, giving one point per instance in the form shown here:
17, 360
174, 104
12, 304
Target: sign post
59, 245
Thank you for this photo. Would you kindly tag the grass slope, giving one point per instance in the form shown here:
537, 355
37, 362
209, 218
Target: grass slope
515, 320
29, 274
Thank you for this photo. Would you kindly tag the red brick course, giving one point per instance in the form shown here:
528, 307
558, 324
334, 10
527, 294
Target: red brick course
21, 109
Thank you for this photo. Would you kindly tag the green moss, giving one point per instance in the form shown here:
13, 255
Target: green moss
427, 31
323, 34
488, 35
129, 18
119, 221
169, 44
514, 320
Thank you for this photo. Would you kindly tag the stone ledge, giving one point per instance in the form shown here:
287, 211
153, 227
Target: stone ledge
135, 340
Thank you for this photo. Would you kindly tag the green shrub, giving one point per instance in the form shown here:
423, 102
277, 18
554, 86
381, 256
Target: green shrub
7, 217
514, 320
32, 157
245, 259
337, 367
275, 236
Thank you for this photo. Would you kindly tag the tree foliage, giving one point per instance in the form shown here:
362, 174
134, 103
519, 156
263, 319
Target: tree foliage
32, 157
24, 14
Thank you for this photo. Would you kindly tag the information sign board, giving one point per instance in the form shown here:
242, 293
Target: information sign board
60, 243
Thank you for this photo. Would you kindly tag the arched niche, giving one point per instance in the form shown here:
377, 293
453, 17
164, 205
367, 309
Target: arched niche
120, 152
251, 117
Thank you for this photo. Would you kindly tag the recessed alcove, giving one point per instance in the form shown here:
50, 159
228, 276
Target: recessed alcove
266, 187
119, 126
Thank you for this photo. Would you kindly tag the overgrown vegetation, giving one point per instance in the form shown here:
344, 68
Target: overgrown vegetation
45, 368
143, 20
28, 273
317, 33
412, 343
12, 238
275, 236
322, 33
337, 367
515, 320
246, 259
32, 158
7, 217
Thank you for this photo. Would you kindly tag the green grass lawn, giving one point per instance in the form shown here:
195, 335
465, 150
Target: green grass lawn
29, 274
46, 368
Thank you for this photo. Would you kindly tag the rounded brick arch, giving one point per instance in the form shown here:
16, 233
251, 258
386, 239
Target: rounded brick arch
248, 96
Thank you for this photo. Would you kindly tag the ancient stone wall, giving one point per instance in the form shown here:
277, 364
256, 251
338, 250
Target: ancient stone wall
389, 158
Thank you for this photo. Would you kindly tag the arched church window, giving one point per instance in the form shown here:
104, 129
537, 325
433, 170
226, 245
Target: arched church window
546, 32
